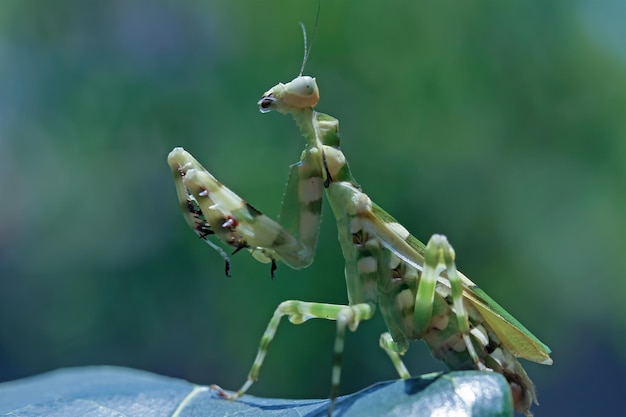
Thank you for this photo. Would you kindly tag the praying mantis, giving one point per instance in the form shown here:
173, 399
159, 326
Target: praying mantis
417, 287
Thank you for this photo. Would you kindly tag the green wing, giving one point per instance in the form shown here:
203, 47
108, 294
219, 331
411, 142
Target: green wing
513, 335
517, 338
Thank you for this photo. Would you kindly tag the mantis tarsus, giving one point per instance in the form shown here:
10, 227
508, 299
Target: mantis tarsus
417, 287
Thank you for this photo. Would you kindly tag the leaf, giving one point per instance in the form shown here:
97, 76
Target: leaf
111, 391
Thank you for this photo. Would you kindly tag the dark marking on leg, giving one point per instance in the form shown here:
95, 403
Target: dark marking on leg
329, 178
253, 211
239, 247
227, 268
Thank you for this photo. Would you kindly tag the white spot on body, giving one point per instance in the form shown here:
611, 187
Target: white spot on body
480, 333
326, 124
355, 225
394, 261
499, 357
310, 190
405, 299
410, 273
405, 302
367, 265
443, 290
399, 230
362, 203
440, 322
372, 244
335, 160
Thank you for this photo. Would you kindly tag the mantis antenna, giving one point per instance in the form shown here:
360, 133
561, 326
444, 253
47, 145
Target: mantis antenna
307, 51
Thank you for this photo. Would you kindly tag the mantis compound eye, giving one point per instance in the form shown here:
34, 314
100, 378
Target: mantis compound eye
266, 103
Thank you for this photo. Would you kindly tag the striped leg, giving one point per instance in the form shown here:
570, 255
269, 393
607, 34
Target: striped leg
390, 347
439, 257
298, 312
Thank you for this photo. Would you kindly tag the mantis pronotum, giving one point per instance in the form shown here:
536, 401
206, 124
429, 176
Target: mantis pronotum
417, 287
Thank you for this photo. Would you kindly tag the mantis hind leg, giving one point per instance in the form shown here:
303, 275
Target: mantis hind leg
439, 257
390, 347
298, 312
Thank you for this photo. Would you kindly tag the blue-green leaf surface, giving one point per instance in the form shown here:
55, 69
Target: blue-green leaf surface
113, 391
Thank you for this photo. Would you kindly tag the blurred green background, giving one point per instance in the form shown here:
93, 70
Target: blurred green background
499, 124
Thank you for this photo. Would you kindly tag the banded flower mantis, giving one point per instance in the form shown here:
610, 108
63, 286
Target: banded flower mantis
417, 287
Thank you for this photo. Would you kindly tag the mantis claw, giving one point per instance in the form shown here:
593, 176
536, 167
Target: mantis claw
219, 391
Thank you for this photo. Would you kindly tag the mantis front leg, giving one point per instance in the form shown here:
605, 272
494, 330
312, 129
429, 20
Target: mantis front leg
209, 208
298, 312
212, 208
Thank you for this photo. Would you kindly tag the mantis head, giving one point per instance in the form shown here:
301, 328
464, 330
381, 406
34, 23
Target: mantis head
301, 93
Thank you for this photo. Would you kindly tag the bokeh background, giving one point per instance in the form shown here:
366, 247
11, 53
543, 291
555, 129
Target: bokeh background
500, 124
